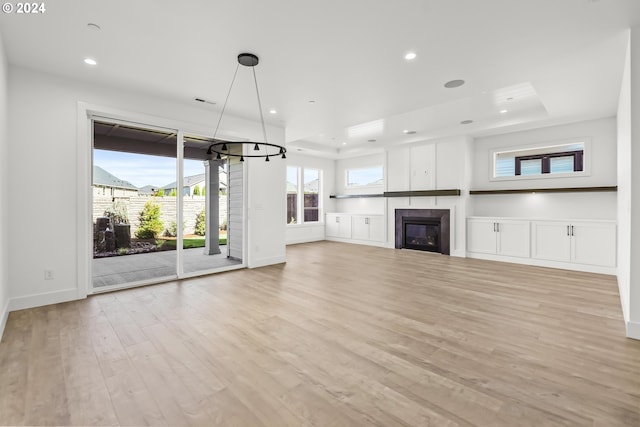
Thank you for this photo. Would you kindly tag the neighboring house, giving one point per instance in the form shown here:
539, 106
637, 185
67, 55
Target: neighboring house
188, 185
106, 184
148, 190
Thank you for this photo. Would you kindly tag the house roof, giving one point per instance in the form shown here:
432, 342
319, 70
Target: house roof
105, 179
188, 181
148, 189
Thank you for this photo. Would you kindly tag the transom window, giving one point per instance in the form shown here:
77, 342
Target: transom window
541, 161
365, 177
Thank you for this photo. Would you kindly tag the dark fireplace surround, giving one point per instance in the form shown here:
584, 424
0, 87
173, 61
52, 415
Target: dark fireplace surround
428, 217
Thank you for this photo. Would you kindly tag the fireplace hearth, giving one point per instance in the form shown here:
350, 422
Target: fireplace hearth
423, 229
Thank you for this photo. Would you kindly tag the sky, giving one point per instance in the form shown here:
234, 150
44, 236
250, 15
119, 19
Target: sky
141, 169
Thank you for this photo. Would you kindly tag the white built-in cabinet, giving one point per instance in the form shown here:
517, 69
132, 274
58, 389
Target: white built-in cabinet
338, 225
581, 242
357, 227
367, 227
498, 236
572, 244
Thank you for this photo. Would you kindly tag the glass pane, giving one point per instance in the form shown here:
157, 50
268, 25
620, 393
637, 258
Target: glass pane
131, 211
561, 164
365, 177
292, 195
311, 194
531, 167
505, 166
205, 206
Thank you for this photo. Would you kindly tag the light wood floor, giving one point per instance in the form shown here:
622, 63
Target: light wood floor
342, 335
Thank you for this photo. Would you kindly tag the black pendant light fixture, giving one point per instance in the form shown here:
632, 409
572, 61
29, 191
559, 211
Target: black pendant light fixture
264, 149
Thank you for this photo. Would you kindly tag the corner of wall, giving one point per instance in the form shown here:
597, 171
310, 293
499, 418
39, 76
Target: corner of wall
4, 189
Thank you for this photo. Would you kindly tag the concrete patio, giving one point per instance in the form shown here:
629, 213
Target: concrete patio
120, 270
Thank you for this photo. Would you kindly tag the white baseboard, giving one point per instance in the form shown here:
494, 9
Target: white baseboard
357, 242
304, 240
262, 262
38, 300
3, 319
633, 330
543, 263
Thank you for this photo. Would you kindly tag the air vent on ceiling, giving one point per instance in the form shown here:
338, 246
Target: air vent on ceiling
204, 101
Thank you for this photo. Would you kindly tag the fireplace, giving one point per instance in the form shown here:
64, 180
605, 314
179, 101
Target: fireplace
420, 233
423, 229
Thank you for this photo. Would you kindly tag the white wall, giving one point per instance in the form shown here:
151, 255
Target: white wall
4, 190
300, 233
629, 187
599, 205
43, 235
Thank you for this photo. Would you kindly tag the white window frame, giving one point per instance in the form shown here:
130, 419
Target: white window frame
300, 198
346, 177
586, 166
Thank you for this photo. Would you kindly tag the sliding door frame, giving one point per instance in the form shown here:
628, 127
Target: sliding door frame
86, 114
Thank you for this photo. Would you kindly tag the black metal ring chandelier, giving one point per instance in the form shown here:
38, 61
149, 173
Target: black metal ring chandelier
222, 148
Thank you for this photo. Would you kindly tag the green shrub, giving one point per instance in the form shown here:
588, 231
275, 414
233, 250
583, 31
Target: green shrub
196, 190
118, 212
172, 231
150, 224
160, 192
201, 223
173, 193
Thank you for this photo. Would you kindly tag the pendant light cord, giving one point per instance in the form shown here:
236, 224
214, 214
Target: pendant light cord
264, 130
227, 100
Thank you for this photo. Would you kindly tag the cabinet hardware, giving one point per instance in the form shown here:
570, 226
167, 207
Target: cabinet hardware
568, 231
572, 231
337, 219
366, 221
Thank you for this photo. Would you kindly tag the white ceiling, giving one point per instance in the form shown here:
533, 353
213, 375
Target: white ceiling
560, 61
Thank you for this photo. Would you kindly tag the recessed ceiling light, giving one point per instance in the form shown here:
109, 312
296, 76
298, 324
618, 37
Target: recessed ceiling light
371, 140
311, 101
344, 143
453, 84
408, 132
273, 111
90, 61
510, 98
466, 122
409, 56
93, 27
504, 111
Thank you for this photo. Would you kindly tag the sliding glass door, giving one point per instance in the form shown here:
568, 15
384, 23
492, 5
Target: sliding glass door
159, 206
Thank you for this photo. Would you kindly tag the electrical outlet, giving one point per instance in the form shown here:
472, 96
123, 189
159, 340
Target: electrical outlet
48, 275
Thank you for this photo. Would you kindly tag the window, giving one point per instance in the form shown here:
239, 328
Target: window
540, 162
366, 177
303, 195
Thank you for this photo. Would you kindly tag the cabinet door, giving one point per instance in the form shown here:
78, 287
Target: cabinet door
481, 235
331, 226
376, 228
513, 238
344, 226
359, 227
594, 243
551, 240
